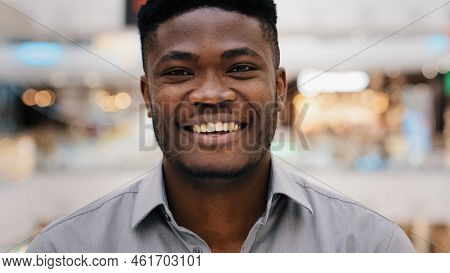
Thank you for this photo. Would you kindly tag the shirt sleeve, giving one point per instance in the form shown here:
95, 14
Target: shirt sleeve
41, 244
399, 242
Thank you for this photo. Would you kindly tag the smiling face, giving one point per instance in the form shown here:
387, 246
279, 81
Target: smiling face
213, 92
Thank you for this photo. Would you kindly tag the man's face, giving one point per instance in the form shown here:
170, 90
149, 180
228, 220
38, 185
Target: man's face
212, 91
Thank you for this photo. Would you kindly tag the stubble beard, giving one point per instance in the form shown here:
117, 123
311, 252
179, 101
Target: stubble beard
254, 157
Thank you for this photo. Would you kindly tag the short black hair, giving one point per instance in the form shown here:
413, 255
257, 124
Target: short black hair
156, 12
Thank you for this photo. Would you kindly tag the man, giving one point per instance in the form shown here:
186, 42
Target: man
213, 87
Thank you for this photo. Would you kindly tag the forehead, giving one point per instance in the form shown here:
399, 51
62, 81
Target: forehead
207, 28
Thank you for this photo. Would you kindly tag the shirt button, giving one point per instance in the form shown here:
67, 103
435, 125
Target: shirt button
167, 217
197, 250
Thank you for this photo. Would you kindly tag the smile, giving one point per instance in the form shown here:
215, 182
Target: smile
216, 127
213, 133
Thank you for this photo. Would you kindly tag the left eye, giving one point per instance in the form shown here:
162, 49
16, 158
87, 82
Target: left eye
177, 72
242, 68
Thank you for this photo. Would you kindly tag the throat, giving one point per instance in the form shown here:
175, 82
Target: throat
222, 217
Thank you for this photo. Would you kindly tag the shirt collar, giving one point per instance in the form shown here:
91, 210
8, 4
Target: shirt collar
151, 192
284, 183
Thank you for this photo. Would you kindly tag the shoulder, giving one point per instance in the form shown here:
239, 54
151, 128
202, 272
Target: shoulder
101, 206
336, 213
322, 198
93, 217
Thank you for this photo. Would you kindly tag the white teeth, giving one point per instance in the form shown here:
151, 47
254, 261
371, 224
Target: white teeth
212, 127
219, 126
231, 126
225, 127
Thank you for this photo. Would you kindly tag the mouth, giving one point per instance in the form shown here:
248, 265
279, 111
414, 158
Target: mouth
215, 128
211, 134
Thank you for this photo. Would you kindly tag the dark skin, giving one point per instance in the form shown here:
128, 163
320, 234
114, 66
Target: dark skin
211, 64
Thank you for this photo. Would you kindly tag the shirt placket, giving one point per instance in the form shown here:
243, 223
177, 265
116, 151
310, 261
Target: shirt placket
190, 240
248, 243
262, 221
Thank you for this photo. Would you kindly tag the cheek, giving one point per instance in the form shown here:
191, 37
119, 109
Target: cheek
162, 112
258, 90
261, 98
166, 99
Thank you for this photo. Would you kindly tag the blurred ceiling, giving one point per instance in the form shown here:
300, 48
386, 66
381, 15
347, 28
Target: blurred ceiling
363, 17
84, 18
400, 35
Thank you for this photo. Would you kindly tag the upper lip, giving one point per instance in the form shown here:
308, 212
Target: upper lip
203, 119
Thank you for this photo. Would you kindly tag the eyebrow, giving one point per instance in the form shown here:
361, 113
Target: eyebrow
187, 56
178, 56
243, 51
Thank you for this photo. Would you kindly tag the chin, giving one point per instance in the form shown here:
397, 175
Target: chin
221, 168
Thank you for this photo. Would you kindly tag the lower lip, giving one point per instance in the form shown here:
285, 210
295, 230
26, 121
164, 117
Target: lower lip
214, 139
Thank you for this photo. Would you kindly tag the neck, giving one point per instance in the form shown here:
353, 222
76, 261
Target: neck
220, 211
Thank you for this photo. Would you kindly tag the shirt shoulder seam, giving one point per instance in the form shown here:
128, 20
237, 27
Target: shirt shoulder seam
86, 212
305, 186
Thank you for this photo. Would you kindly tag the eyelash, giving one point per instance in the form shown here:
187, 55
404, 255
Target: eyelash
248, 68
173, 72
176, 72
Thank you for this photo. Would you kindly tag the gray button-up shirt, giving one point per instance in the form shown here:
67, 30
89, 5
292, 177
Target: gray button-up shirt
299, 217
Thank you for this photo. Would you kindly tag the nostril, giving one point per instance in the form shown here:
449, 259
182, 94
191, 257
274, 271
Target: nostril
206, 108
211, 97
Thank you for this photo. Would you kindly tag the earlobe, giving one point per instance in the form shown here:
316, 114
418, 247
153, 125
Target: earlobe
145, 91
281, 103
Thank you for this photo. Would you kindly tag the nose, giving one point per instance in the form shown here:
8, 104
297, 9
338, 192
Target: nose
211, 91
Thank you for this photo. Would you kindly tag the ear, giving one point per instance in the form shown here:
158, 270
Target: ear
281, 84
145, 91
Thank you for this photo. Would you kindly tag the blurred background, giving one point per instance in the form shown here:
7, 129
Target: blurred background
368, 113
